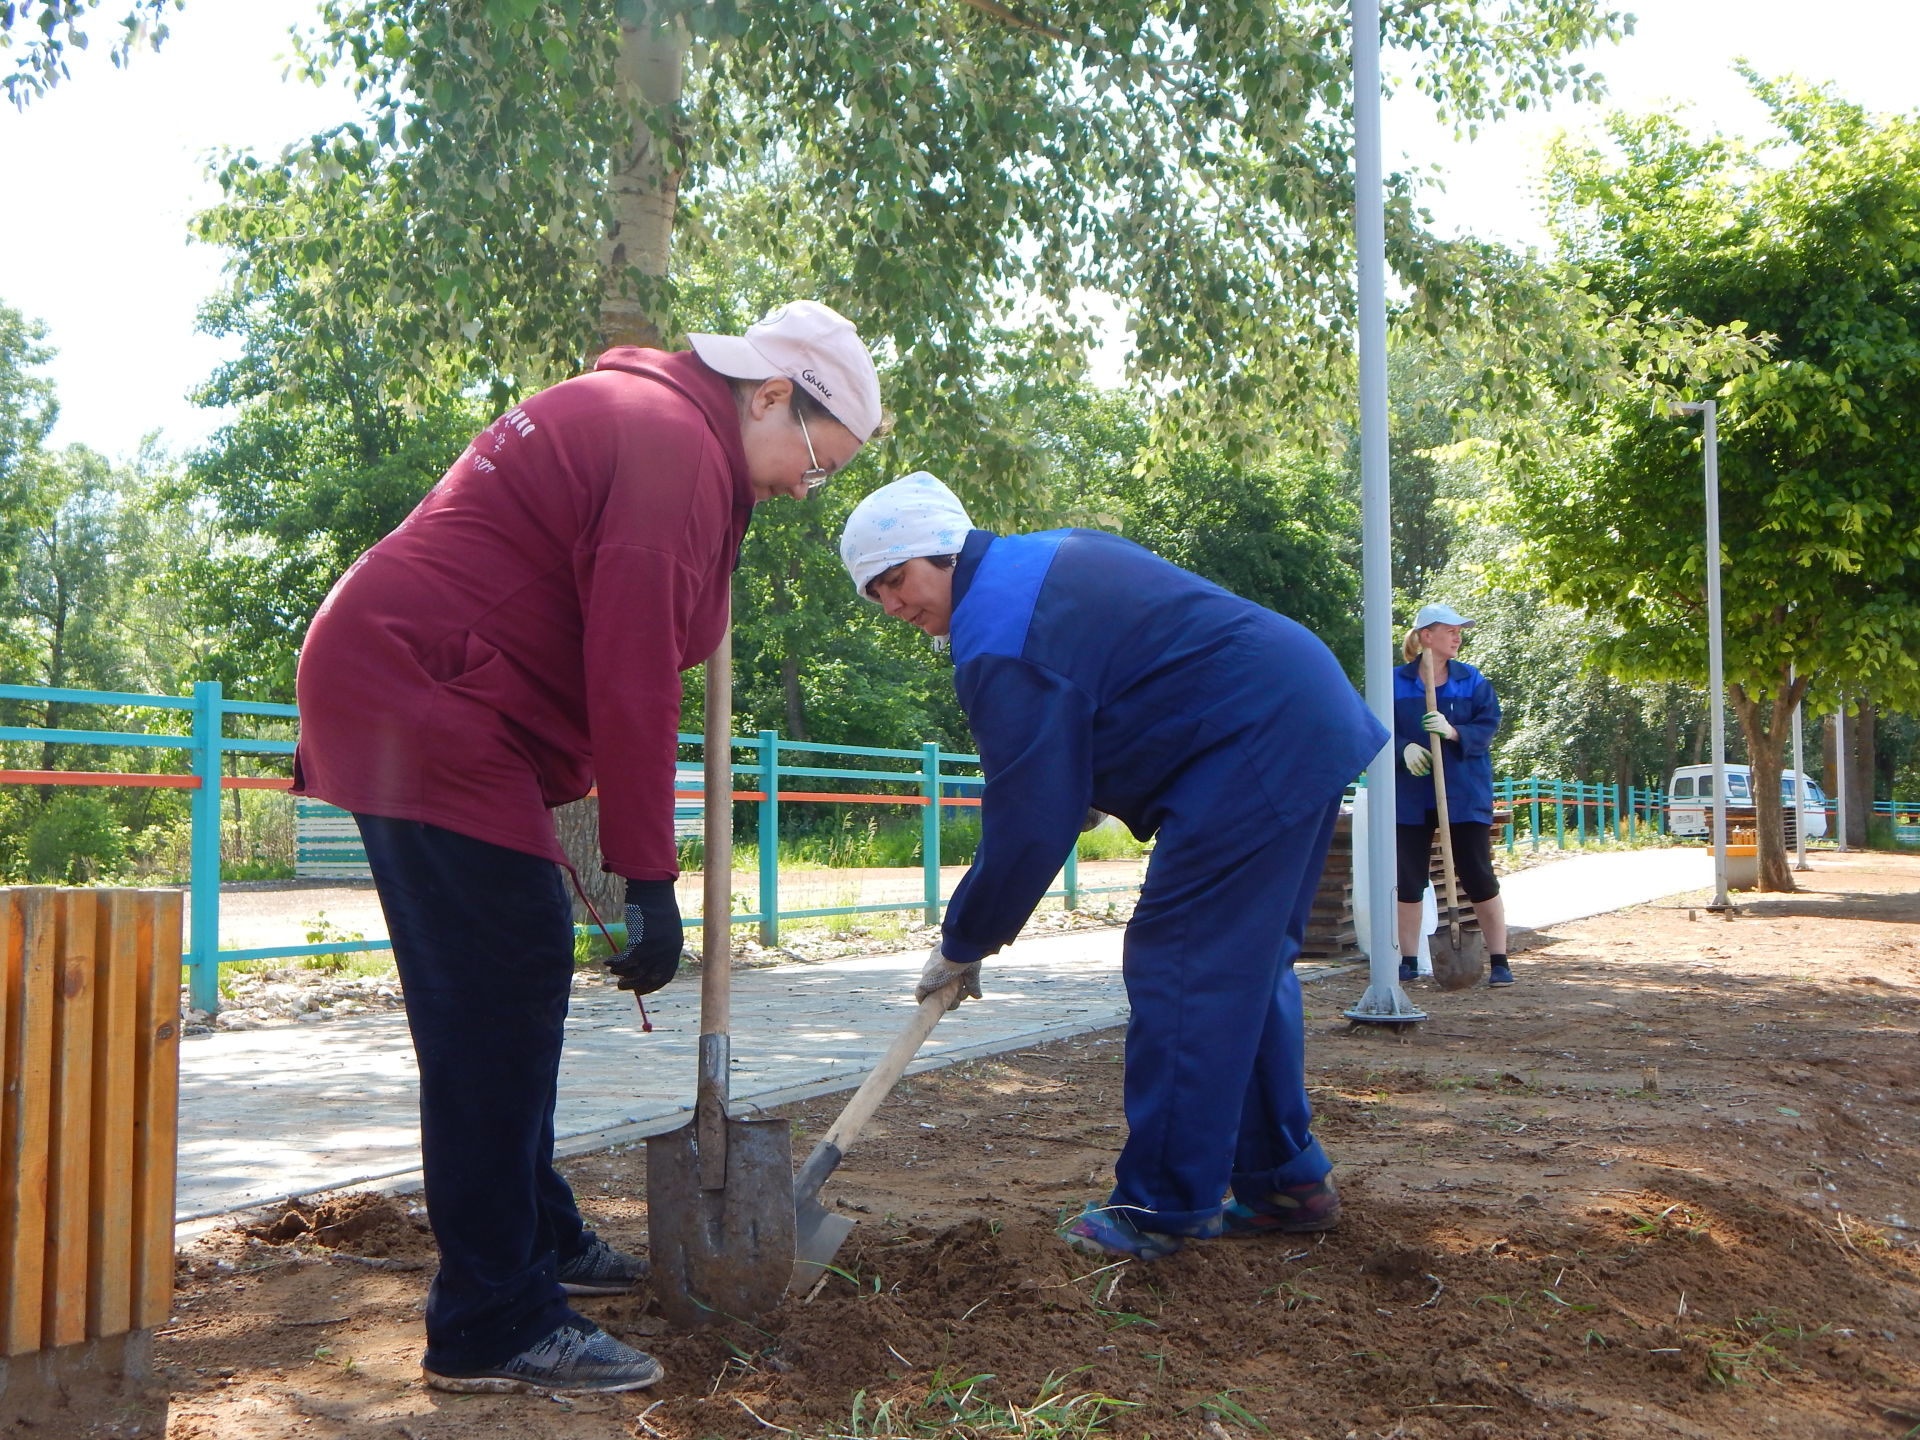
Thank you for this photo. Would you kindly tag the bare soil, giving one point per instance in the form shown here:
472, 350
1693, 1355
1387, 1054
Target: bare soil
1665, 1186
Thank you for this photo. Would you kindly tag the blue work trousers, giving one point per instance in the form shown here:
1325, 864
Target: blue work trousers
483, 939
1216, 1094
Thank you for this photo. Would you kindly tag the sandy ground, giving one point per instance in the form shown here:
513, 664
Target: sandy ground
1664, 1187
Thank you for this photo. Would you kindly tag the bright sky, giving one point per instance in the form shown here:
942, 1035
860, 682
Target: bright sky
102, 174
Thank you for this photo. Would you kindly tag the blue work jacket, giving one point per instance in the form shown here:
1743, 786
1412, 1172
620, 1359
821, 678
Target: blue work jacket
1094, 673
1467, 699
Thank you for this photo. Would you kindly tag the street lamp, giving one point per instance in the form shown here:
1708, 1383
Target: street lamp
1384, 1002
1799, 787
1709, 410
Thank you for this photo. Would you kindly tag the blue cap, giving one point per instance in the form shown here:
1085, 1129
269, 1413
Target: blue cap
1439, 615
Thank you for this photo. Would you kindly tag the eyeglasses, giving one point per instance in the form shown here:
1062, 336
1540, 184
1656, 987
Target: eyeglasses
817, 474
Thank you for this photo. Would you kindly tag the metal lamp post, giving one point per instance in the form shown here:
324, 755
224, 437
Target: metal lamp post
1710, 412
1384, 1002
1840, 816
1799, 787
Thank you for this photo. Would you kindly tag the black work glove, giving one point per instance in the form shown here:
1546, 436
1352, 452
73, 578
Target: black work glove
654, 941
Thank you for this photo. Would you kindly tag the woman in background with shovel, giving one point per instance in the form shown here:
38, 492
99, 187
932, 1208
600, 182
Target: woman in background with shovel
1463, 719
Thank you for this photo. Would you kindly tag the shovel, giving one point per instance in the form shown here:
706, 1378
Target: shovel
719, 1190
1459, 957
818, 1233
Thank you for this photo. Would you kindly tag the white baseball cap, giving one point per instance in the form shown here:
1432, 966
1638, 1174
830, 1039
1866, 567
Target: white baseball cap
814, 346
1440, 615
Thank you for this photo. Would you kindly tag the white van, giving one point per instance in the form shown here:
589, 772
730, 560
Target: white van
1690, 794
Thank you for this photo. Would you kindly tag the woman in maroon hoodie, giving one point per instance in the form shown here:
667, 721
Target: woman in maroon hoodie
517, 640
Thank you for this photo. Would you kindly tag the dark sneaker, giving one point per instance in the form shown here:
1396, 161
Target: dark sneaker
1499, 974
578, 1358
602, 1270
1109, 1230
1409, 970
1296, 1210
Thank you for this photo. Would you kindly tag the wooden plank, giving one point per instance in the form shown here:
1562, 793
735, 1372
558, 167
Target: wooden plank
156, 1102
70, 1118
110, 1206
23, 1145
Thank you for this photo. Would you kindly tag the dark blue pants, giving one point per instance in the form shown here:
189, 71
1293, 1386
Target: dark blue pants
1216, 1094
483, 939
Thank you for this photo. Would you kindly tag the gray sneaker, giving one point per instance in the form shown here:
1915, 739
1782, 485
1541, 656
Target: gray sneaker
602, 1270
578, 1358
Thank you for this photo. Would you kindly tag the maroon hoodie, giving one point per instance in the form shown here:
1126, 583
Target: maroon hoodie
520, 636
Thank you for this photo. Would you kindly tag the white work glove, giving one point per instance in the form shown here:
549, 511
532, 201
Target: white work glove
1419, 759
1438, 724
941, 972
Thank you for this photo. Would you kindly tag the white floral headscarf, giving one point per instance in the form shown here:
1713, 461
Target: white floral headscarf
914, 516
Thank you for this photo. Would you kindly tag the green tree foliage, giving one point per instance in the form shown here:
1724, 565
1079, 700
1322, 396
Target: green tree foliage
1282, 534
322, 461
38, 34
1562, 713
84, 610
27, 411
1807, 238
945, 159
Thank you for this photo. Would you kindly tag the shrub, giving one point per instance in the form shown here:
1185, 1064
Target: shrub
74, 840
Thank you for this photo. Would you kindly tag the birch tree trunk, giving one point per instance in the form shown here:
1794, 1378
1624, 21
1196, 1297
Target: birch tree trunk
634, 254
633, 258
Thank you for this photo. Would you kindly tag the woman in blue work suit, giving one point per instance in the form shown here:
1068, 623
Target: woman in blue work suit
1467, 716
1097, 676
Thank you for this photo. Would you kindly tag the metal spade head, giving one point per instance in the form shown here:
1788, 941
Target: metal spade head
723, 1253
1459, 958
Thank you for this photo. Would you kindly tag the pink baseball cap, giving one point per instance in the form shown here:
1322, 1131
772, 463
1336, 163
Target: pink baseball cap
814, 346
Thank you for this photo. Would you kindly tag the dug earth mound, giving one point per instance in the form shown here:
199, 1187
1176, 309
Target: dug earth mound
1662, 1187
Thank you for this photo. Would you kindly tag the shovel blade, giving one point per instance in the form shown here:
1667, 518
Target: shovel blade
1459, 958
723, 1254
818, 1234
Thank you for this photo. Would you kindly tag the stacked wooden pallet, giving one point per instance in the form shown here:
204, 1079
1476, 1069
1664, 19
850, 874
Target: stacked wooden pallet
89, 1051
1330, 932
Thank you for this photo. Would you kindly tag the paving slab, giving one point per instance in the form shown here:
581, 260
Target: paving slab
294, 1109
1562, 891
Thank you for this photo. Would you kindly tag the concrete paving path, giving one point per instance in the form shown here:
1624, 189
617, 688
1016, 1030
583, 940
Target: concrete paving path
291, 1110
1562, 891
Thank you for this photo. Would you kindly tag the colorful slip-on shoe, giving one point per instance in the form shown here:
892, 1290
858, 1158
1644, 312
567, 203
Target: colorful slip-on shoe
1294, 1210
1110, 1230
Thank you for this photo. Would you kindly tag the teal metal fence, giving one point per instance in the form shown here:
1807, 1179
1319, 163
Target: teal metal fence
926, 777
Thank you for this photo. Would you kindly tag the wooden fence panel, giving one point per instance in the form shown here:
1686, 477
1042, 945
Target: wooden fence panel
115, 1023
156, 1104
24, 1150
70, 1116
89, 1051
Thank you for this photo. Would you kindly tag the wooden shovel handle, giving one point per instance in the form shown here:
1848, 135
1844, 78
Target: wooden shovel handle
845, 1130
716, 922
1440, 798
